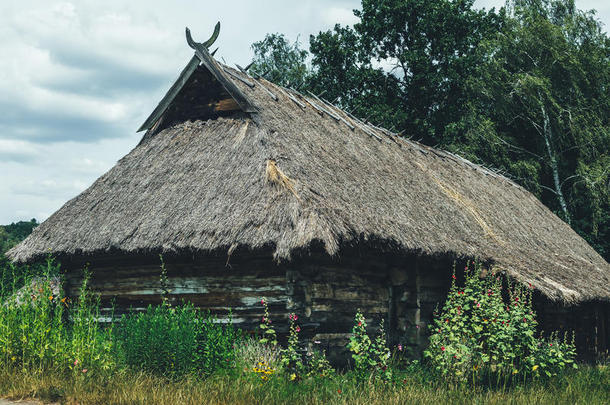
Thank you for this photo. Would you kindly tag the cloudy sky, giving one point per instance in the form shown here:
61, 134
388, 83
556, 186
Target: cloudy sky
77, 78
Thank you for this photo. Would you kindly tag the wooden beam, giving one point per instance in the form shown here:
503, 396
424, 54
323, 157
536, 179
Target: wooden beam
241, 79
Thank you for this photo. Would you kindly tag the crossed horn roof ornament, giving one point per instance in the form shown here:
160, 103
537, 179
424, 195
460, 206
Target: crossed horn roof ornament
204, 57
203, 45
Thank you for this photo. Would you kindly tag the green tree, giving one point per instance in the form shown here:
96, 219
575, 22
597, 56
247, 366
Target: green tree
346, 76
431, 46
14, 233
279, 61
539, 109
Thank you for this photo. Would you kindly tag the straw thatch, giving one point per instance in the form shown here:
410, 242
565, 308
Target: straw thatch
295, 172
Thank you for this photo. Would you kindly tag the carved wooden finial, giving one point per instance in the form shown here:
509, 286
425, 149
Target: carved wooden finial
206, 44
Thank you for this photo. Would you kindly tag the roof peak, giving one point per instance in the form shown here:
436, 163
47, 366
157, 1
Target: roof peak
202, 57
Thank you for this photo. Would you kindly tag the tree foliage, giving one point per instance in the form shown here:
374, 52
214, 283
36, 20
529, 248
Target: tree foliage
279, 61
523, 89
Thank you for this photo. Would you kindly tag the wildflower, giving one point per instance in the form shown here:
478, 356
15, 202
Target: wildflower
442, 348
339, 391
535, 367
359, 323
416, 326
404, 381
478, 305
75, 362
550, 344
453, 277
298, 329
524, 320
317, 342
446, 320
515, 371
293, 377
399, 347
84, 370
50, 298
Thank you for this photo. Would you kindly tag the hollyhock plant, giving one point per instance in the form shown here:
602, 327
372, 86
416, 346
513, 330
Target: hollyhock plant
470, 345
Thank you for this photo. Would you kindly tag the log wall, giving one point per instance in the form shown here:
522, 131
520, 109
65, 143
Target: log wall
324, 292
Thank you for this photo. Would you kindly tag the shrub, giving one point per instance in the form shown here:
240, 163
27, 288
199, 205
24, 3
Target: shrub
35, 337
175, 341
370, 357
217, 342
485, 329
32, 335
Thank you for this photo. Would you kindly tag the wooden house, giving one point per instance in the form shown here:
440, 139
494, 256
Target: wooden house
249, 190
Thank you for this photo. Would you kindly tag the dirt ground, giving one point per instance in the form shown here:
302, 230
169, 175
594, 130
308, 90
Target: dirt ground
21, 402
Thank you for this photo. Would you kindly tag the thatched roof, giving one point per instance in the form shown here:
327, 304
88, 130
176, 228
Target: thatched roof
300, 171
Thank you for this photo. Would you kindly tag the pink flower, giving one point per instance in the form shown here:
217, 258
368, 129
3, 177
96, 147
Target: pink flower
84, 370
298, 329
359, 323
296, 317
263, 301
416, 326
400, 348
443, 348
453, 277
75, 362
478, 305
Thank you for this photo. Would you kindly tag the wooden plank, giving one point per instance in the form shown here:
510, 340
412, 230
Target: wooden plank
246, 82
227, 104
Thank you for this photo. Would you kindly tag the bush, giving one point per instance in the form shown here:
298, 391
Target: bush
486, 330
32, 335
35, 337
371, 357
175, 341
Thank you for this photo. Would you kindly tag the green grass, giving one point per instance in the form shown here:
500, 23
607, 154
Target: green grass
589, 385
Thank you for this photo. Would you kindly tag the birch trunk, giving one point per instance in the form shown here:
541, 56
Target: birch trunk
548, 141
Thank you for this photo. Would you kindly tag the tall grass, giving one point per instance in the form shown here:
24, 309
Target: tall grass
590, 385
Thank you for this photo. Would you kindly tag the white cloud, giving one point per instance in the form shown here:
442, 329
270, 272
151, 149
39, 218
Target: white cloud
340, 15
